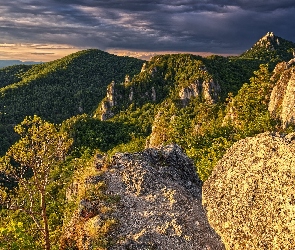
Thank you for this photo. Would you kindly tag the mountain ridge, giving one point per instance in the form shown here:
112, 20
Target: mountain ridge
271, 47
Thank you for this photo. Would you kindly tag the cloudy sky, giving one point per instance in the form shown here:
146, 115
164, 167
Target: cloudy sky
49, 29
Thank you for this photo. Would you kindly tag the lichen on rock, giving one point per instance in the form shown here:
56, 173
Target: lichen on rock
250, 196
160, 205
146, 200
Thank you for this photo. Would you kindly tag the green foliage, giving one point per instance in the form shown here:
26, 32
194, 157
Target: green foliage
29, 163
12, 74
92, 133
250, 105
14, 236
231, 72
133, 146
79, 226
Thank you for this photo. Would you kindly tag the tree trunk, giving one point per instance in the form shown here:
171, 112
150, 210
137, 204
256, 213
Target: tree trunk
45, 221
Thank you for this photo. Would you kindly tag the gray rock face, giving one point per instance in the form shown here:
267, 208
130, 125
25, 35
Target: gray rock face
250, 196
282, 101
207, 90
160, 205
109, 102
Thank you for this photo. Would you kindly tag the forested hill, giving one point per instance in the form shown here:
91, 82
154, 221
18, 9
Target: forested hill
60, 89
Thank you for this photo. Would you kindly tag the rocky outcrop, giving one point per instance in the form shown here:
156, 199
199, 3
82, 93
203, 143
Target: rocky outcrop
109, 102
211, 91
158, 205
250, 197
160, 129
208, 90
143, 68
282, 101
269, 40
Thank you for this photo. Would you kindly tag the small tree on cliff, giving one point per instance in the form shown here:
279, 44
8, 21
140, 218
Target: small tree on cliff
29, 162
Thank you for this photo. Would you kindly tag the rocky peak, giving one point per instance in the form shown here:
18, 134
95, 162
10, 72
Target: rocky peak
160, 205
271, 47
269, 41
143, 69
111, 94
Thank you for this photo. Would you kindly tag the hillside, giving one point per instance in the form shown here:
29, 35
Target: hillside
178, 78
60, 89
12, 74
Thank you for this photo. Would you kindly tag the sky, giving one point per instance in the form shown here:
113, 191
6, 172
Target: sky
50, 29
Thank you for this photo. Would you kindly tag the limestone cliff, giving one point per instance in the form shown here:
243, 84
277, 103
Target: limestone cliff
108, 102
282, 101
207, 90
250, 197
120, 95
159, 204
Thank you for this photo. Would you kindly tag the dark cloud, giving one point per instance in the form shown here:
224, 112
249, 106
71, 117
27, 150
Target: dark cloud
220, 26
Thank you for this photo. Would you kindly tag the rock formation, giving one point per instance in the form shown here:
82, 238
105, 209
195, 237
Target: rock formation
250, 196
282, 101
109, 102
271, 47
208, 90
143, 68
159, 205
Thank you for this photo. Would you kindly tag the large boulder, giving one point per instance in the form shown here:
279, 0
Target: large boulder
250, 196
147, 200
160, 203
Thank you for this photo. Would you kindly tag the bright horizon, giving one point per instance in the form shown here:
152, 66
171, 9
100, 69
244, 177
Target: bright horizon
50, 52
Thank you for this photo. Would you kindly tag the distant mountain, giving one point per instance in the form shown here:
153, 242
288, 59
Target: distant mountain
6, 63
271, 48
